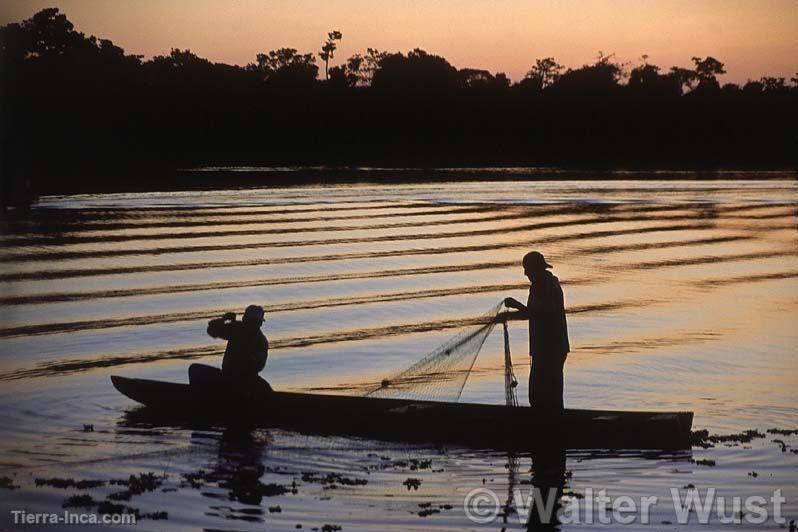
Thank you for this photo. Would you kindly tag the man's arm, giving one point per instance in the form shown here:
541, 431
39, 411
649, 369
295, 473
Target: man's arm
511, 316
525, 312
222, 327
519, 314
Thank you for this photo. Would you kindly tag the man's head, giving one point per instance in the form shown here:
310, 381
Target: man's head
534, 264
253, 316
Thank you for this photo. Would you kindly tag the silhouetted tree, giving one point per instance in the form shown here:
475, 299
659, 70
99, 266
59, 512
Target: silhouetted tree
645, 77
683, 78
753, 87
708, 68
730, 89
545, 73
773, 84
418, 71
49, 38
599, 78
369, 65
341, 76
358, 69
179, 64
45, 35
286, 65
707, 71
328, 50
647, 80
75, 105
472, 78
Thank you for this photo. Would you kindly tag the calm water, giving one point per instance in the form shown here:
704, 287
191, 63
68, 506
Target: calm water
681, 296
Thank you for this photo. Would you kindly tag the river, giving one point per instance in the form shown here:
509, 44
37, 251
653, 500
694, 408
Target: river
682, 295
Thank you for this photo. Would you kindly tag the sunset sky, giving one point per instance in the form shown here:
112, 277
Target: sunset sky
753, 37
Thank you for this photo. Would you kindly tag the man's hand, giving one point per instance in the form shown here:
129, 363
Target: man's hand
229, 316
502, 317
511, 302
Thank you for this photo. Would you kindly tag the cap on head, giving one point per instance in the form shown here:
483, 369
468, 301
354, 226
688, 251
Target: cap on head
534, 260
253, 314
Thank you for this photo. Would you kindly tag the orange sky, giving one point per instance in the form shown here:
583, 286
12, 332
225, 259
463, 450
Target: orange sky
753, 37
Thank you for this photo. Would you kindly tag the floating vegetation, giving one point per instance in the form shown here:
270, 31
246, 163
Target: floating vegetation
107, 507
272, 490
66, 483
136, 485
244, 485
783, 432
251, 492
331, 479
420, 464
702, 438
413, 483
252, 515
7, 484
428, 509
194, 480
704, 461
80, 501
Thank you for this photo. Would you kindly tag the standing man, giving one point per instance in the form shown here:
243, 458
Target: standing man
548, 332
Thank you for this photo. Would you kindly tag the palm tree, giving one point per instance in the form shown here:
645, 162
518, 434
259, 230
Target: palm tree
328, 49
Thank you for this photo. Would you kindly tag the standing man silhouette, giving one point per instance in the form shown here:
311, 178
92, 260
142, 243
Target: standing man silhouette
548, 332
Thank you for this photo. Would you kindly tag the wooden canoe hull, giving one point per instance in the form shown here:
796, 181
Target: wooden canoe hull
468, 424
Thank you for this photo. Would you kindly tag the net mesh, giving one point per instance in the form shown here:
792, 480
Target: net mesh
510, 382
442, 374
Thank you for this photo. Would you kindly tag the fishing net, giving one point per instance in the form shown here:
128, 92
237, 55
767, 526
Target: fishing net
442, 374
510, 382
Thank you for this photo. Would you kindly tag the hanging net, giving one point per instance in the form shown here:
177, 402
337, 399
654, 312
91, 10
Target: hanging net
442, 374
510, 382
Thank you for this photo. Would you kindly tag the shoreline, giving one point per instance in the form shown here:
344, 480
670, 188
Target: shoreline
226, 177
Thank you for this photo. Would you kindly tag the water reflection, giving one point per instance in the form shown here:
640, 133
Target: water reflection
246, 473
548, 480
239, 465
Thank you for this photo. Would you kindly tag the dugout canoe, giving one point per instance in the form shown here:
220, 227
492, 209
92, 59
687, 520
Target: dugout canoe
468, 424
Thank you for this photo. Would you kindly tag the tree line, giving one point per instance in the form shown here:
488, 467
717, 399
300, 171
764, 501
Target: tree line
78, 109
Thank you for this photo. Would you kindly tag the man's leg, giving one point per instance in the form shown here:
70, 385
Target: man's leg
540, 385
546, 385
557, 387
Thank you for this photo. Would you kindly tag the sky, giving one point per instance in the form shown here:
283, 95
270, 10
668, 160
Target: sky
754, 38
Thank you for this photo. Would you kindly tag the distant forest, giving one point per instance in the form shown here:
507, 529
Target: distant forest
79, 113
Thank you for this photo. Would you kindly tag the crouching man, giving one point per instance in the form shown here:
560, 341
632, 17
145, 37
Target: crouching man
247, 349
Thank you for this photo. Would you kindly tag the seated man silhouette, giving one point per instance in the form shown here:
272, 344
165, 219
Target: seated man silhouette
246, 352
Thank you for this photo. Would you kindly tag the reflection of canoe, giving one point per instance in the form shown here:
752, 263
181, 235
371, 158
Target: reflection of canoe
474, 425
